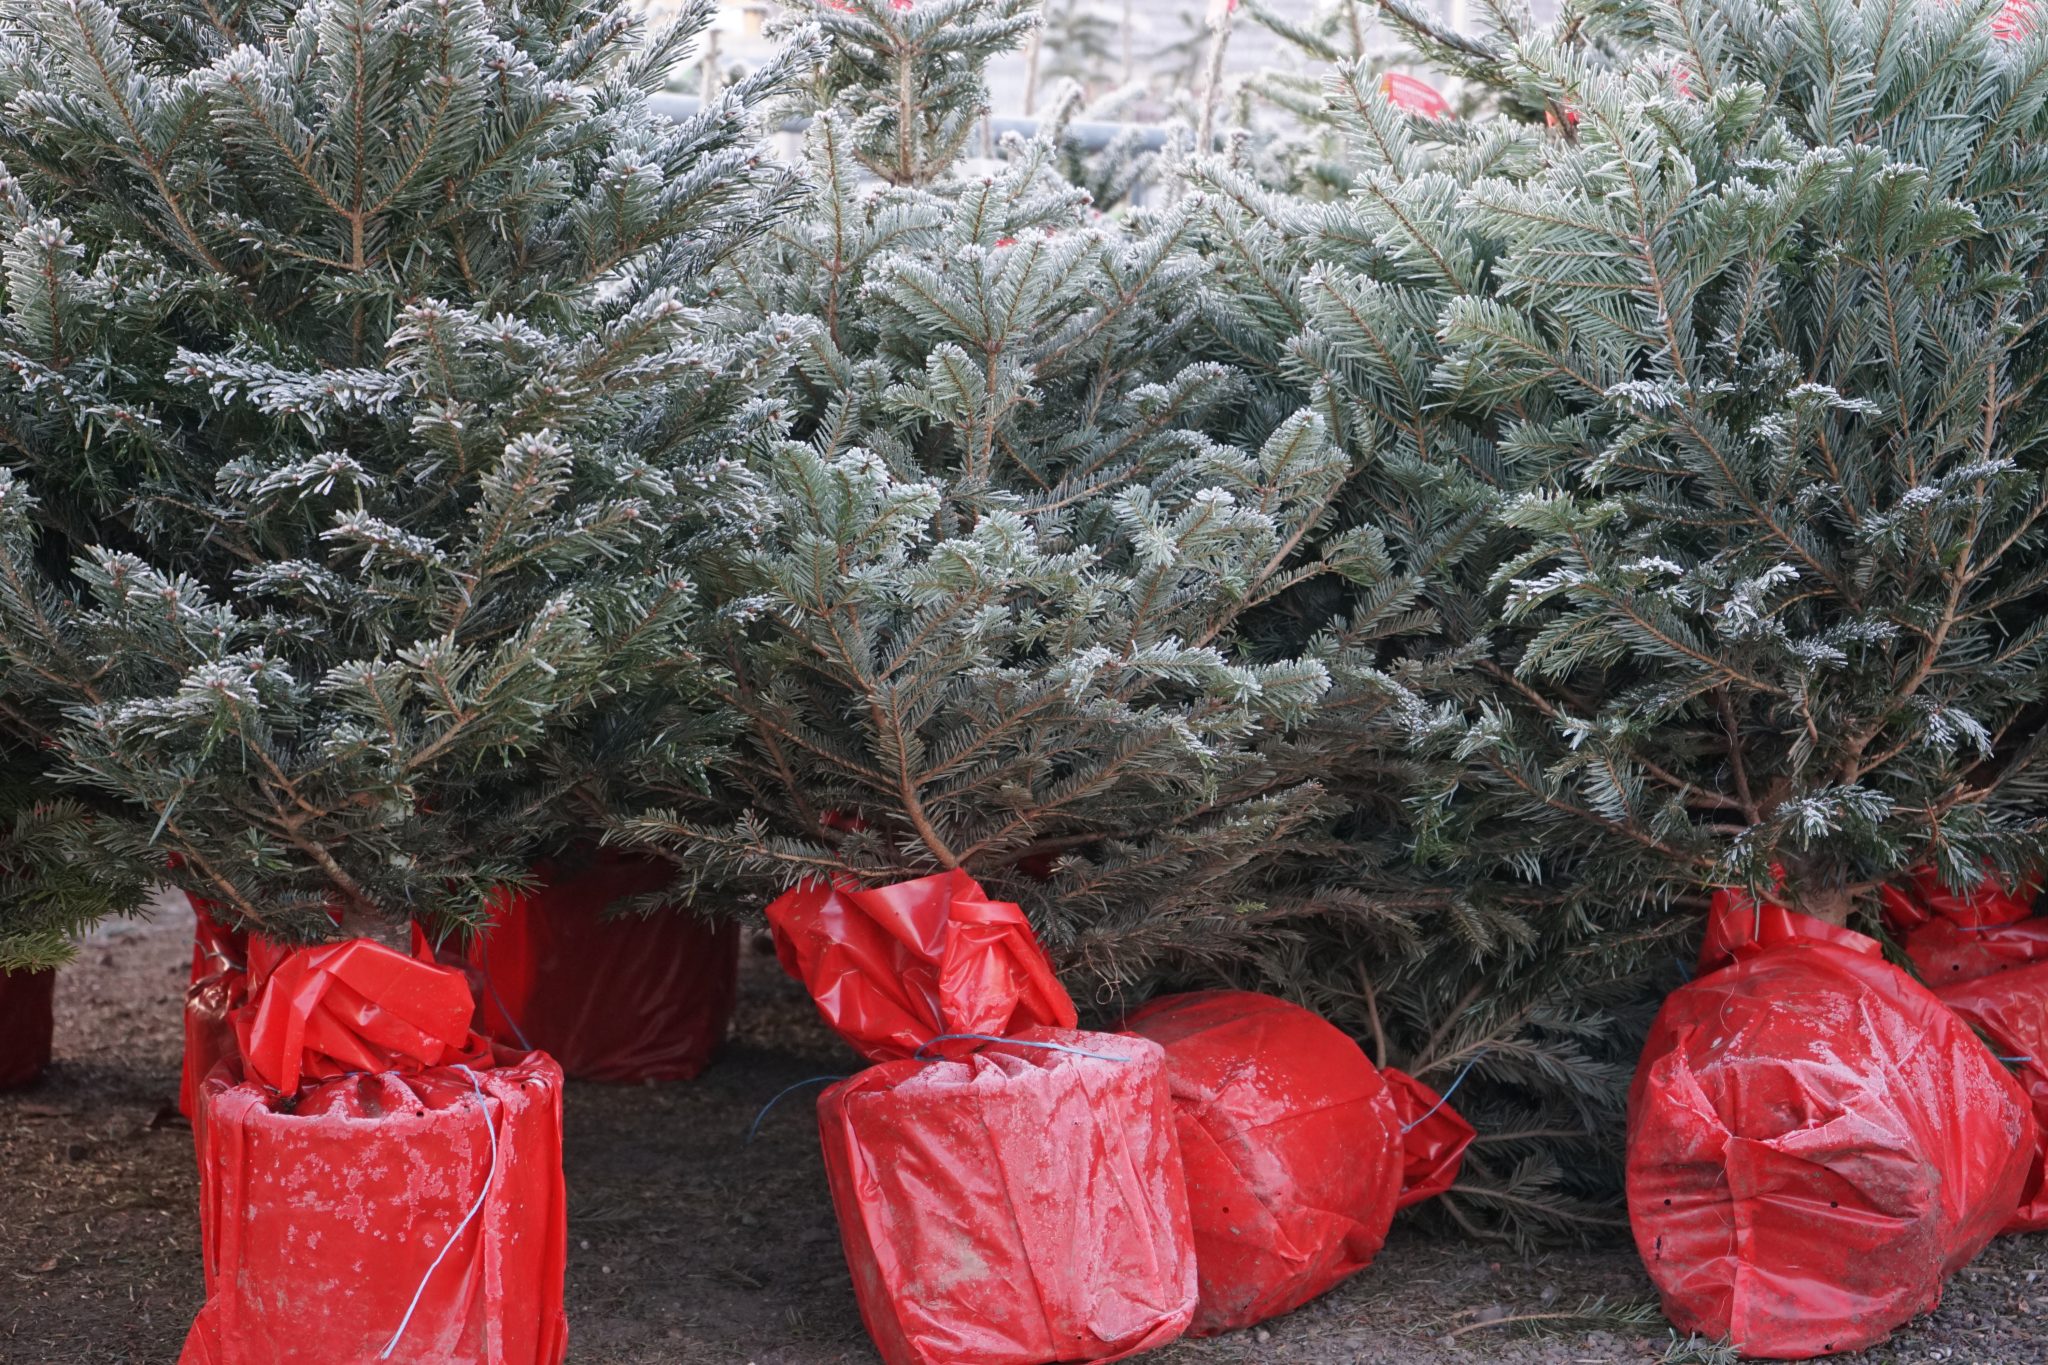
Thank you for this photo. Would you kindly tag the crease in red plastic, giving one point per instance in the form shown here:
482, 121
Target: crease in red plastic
1292, 1146
356, 1006
893, 967
1019, 1206
1815, 1143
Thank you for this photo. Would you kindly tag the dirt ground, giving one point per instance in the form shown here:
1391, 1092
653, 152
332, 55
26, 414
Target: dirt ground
689, 1245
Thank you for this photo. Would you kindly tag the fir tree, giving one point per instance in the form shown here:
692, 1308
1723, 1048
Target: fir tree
54, 881
359, 416
998, 621
1707, 411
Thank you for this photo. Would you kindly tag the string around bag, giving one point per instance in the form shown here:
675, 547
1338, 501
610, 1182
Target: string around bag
754, 1128
490, 1178
1445, 1098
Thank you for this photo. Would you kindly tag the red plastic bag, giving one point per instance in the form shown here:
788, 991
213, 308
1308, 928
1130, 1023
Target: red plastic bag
320, 1221
353, 1006
27, 1020
1291, 1144
2011, 1009
1434, 1137
895, 967
1815, 1142
627, 998
1923, 900
1019, 1207
1944, 953
215, 947
1739, 926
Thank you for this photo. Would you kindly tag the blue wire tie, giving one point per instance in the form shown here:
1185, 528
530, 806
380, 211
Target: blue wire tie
1445, 1098
781, 1094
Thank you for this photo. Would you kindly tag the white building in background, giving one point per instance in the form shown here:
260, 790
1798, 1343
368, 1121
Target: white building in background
1155, 41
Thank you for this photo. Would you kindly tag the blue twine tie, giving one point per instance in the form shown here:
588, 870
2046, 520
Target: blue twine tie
1445, 1098
920, 1056
781, 1094
453, 1237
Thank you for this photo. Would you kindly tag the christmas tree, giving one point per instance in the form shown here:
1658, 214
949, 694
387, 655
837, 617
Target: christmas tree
1699, 386
998, 621
54, 882
360, 414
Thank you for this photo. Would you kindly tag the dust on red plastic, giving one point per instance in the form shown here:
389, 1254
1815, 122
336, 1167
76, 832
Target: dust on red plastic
369, 1152
1815, 1142
1292, 1145
1016, 1202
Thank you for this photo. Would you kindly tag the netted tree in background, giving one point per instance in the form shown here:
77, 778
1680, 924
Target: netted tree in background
359, 418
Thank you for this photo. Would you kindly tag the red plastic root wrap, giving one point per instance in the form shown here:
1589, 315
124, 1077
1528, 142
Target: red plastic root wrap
27, 1019
215, 947
1922, 899
1945, 953
1015, 1197
623, 998
1292, 1147
319, 1222
1815, 1142
894, 967
1019, 1207
1434, 1137
354, 1006
2011, 1009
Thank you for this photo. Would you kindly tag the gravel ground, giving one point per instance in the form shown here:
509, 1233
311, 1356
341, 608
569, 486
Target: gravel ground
689, 1245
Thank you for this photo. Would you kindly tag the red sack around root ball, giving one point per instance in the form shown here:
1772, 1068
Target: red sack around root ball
1014, 1200
2011, 1009
1292, 1145
612, 998
1921, 899
407, 1204
27, 1022
1021, 1206
321, 1219
1815, 1143
894, 967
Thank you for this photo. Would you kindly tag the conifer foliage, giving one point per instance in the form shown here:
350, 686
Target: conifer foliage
1708, 411
996, 623
358, 417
